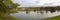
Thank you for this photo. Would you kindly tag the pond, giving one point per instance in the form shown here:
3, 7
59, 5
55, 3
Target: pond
34, 15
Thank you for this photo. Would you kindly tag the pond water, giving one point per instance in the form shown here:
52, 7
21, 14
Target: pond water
34, 15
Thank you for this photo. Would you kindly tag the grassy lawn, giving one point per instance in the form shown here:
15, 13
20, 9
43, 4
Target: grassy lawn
11, 18
53, 18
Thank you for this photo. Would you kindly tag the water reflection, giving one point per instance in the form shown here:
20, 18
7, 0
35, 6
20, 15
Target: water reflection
34, 15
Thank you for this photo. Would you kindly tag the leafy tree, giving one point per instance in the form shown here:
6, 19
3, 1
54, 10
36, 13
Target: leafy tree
5, 6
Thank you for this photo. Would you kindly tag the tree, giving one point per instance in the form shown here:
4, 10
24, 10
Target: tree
52, 9
15, 5
58, 8
5, 8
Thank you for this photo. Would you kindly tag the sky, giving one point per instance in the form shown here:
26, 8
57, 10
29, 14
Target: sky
30, 3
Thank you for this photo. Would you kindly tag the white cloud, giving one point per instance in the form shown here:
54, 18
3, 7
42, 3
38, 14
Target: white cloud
27, 3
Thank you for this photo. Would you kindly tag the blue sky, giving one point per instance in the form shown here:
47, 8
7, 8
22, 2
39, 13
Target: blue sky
29, 3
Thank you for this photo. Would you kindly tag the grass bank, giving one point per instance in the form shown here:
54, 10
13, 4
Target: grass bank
53, 18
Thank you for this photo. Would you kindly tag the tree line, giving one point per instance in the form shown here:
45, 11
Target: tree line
49, 8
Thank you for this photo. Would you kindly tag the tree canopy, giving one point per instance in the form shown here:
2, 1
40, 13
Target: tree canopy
5, 8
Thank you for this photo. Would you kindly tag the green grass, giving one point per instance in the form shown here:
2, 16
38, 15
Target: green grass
53, 18
11, 18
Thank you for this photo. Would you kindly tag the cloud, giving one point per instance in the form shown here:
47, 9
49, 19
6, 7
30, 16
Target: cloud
27, 3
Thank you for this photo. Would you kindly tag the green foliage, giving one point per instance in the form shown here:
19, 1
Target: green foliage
7, 5
52, 9
5, 9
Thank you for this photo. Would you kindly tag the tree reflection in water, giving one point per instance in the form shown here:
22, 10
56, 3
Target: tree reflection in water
52, 9
41, 9
27, 12
41, 12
